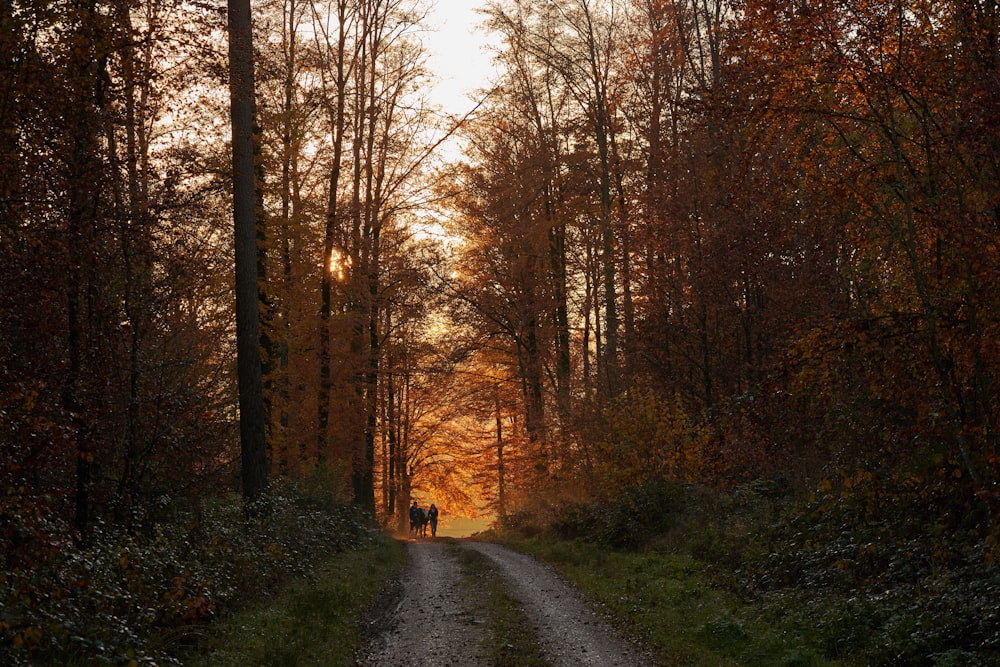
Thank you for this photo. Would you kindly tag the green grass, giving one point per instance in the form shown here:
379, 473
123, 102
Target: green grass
314, 621
670, 605
510, 639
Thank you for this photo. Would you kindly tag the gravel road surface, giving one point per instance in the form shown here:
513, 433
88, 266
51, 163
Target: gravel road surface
431, 625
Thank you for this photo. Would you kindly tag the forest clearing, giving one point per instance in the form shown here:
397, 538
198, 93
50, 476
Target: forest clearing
697, 301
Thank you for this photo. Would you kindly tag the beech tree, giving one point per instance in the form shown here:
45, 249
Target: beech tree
339, 58
253, 445
503, 276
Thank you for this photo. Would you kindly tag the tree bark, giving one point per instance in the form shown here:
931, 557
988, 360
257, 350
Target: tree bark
84, 208
253, 445
333, 215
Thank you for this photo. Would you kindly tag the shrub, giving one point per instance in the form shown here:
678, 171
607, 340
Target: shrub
137, 598
891, 569
636, 515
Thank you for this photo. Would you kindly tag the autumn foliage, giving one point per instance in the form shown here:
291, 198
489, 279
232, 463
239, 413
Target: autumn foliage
803, 204
802, 197
688, 243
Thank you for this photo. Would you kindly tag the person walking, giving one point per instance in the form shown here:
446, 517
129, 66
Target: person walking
415, 516
432, 515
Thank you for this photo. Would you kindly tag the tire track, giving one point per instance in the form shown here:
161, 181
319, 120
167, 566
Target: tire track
570, 632
435, 621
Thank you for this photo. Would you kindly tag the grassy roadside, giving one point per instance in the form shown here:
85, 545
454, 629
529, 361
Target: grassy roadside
313, 621
511, 640
669, 604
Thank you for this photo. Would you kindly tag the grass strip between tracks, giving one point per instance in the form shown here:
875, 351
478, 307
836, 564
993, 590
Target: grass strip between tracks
511, 640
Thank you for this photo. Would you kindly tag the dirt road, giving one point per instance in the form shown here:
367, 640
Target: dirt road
433, 622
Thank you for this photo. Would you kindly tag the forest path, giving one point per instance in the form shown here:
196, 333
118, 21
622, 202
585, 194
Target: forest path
435, 621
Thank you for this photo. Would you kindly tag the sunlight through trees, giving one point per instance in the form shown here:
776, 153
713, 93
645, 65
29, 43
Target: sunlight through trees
701, 241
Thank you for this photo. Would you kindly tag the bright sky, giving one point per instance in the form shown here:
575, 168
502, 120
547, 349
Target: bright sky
457, 54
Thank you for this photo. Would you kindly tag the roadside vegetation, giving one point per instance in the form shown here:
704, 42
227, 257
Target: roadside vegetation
750, 576
315, 621
156, 596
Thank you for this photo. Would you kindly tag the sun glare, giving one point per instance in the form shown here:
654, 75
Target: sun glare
338, 265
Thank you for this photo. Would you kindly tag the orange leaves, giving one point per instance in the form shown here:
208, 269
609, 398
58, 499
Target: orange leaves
650, 437
182, 606
26, 638
858, 478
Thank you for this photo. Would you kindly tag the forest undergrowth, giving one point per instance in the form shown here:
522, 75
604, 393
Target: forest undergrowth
150, 597
890, 573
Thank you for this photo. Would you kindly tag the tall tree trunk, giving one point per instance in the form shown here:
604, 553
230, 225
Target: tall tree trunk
130, 213
333, 215
392, 473
625, 226
534, 421
560, 317
253, 444
556, 224
601, 120
90, 63
501, 472
289, 150
358, 277
402, 453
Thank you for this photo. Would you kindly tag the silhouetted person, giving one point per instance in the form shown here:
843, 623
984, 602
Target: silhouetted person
416, 516
432, 516
424, 512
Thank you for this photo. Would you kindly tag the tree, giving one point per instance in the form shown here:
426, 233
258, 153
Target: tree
577, 40
503, 268
340, 56
98, 207
86, 85
253, 445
